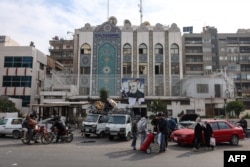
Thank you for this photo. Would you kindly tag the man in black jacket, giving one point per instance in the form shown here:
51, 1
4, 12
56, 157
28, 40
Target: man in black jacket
59, 126
163, 130
243, 124
197, 134
208, 133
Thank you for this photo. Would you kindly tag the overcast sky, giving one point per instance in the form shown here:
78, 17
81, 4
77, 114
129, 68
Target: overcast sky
40, 20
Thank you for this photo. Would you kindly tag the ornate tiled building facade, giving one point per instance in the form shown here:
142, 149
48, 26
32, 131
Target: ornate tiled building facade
107, 53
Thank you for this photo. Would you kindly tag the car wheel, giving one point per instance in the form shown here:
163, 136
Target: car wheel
111, 137
16, 134
101, 135
234, 140
87, 135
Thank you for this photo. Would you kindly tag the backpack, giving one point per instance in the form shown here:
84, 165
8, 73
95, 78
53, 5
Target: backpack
172, 124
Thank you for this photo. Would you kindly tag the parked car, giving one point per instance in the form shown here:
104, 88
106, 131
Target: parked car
11, 126
223, 131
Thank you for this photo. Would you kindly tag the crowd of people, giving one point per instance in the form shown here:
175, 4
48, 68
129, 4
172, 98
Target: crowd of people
162, 127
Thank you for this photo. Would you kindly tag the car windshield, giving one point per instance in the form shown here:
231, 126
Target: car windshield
117, 119
91, 118
3, 121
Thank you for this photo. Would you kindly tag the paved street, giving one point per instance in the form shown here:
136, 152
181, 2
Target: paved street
94, 152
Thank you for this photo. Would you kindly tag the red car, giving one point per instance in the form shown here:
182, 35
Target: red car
223, 131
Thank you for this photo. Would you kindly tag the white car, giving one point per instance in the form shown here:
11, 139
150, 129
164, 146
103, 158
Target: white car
48, 122
11, 126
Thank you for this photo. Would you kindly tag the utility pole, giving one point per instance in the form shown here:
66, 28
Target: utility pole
107, 9
140, 10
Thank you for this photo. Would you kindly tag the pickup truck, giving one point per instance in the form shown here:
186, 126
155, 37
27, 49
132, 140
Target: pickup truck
11, 126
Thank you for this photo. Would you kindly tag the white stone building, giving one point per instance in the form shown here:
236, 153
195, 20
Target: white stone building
21, 73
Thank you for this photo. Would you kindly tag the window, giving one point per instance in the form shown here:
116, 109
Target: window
84, 70
3, 121
12, 61
202, 88
214, 125
142, 49
158, 49
223, 125
142, 68
16, 81
85, 49
174, 49
84, 91
25, 100
41, 66
159, 68
16, 121
127, 50
126, 68
175, 68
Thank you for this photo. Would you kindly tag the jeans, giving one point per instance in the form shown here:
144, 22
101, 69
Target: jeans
133, 144
30, 134
163, 144
59, 134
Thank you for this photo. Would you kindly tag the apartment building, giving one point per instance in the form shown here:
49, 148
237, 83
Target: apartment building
22, 70
62, 50
209, 52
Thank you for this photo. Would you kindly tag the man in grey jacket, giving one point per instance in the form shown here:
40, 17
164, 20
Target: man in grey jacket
142, 128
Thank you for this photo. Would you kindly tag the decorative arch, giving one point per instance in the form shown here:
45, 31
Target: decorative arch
127, 49
143, 49
175, 49
85, 49
158, 48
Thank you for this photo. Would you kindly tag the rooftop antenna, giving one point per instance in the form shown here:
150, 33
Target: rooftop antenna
107, 9
140, 10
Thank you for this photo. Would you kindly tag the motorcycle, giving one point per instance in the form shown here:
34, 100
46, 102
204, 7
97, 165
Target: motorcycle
67, 135
39, 133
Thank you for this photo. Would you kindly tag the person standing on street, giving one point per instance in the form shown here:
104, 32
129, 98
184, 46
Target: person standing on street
166, 130
134, 133
208, 133
197, 134
163, 128
142, 128
243, 124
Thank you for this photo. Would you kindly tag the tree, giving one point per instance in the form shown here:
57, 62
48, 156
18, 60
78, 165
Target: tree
103, 95
7, 105
158, 106
104, 99
236, 106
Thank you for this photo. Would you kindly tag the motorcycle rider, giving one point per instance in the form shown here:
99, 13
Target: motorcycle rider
31, 126
59, 126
